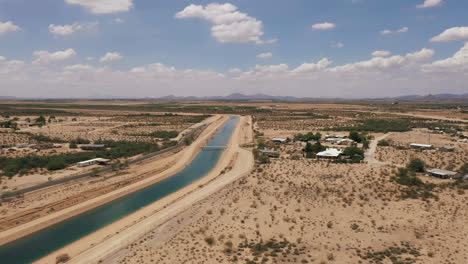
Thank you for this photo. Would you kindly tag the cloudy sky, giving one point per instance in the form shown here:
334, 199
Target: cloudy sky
313, 48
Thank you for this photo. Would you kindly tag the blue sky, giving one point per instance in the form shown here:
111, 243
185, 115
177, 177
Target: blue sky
139, 33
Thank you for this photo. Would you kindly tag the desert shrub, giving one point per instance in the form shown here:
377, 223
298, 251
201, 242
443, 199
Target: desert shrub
464, 169
383, 143
416, 165
62, 258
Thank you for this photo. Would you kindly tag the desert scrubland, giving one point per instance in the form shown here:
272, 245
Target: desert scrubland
298, 210
376, 205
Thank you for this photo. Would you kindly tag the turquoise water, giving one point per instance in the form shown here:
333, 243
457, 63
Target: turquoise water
44, 242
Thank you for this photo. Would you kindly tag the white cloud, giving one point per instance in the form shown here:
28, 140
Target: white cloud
381, 53
457, 63
44, 57
313, 67
430, 3
324, 26
65, 30
451, 34
393, 62
111, 56
389, 32
119, 20
103, 6
229, 25
265, 55
411, 73
339, 45
78, 67
10, 67
8, 26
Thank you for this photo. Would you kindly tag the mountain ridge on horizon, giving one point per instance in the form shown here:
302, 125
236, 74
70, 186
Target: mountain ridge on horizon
263, 97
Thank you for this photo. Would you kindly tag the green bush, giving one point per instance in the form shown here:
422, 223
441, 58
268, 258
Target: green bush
416, 165
383, 143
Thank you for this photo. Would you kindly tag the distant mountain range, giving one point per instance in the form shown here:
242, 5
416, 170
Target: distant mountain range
264, 97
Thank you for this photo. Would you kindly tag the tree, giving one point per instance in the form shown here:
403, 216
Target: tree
56, 164
354, 135
73, 145
308, 148
416, 165
41, 120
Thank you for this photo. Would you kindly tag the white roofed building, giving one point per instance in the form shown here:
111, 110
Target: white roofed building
330, 153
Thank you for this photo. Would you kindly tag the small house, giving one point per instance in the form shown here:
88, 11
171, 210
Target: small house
443, 174
347, 142
92, 146
330, 153
421, 146
334, 140
90, 162
447, 149
271, 153
280, 140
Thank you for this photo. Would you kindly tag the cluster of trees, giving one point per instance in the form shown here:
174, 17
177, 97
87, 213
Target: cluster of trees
378, 125
312, 149
360, 138
197, 119
164, 134
308, 137
119, 149
9, 124
355, 154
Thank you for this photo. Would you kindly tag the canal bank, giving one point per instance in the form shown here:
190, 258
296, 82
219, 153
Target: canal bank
71, 230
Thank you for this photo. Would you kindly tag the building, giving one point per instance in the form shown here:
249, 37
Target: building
330, 153
280, 140
271, 153
444, 174
92, 146
334, 140
347, 142
447, 149
90, 162
421, 146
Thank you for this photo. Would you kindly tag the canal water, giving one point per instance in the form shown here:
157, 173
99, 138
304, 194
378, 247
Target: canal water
44, 242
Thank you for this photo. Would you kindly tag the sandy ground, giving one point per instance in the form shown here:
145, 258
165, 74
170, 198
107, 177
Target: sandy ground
323, 212
182, 158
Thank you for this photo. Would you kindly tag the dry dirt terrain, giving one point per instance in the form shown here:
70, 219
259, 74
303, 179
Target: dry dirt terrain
298, 210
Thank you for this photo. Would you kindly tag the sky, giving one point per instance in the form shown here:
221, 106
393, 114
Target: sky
302, 48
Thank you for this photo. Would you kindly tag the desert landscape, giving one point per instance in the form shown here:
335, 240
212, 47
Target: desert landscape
275, 196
